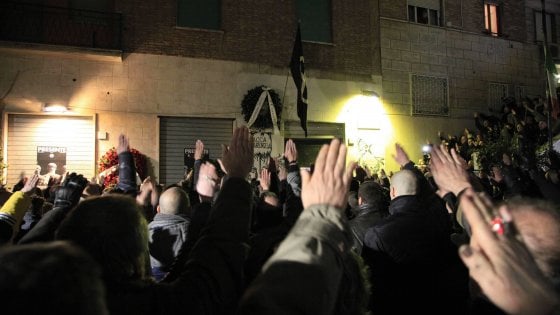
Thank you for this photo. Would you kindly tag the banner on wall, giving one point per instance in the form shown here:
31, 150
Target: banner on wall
51, 163
262, 141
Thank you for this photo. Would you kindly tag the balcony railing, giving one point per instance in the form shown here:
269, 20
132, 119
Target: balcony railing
31, 23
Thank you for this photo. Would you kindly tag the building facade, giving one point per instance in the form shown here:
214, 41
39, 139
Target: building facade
169, 72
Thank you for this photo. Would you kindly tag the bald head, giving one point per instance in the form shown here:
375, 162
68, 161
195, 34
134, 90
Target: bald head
403, 183
174, 201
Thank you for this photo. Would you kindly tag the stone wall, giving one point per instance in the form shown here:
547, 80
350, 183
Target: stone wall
128, 96
469, 61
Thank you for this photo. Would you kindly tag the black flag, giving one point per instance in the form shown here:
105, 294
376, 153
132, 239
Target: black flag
298, 74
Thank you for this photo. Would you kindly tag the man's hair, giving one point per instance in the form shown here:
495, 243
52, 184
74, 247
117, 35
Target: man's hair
55, 277
174, 201
373, 194
405, 183
113, 231
538, 222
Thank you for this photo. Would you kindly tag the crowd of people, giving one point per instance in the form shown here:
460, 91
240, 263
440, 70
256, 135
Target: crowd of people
462, 234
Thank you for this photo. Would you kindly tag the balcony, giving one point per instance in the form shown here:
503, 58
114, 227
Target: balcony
38, 24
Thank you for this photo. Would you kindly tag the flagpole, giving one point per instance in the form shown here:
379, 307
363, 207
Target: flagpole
283, 104
548, 87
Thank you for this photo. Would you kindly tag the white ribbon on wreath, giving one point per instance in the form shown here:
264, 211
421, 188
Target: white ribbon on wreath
265, 95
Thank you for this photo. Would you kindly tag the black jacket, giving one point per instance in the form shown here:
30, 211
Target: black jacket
408, 235
412, 261
366, 217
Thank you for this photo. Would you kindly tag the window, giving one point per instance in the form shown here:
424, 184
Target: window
497, 92
423, 15
315, 19
205, 14
429, 95
492, 18
550, 28
424, 12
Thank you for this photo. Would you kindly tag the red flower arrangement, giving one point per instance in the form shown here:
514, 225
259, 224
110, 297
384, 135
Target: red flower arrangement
111, 158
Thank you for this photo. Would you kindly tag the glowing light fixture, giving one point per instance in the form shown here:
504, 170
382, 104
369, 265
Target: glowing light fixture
368, 128
54, 108
370, 93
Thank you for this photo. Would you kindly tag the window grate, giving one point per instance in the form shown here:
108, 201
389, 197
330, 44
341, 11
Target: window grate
429, 95
497, 92
520, 93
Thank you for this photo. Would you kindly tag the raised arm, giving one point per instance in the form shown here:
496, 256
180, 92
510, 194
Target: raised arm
294, 178
14, 209
317, 248
212, 278
66, 197
501, 264
127, 169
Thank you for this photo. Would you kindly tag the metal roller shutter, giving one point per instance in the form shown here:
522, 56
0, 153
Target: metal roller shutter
27, 132
178, 133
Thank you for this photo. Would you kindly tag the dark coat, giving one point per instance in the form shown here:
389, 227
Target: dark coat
366, 217
412, 261
408, 235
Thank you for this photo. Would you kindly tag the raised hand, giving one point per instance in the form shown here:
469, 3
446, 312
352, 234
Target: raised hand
290, 151
30, 184
69, 193
501, 264
400, 155
123, 145
199, 150
207, 183
265, 179
148, 193
449, 170
331, 178
237, 158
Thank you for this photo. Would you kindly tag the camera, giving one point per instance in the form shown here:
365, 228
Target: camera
426, 151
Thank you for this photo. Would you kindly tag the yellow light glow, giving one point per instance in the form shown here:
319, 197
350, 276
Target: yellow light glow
368, 129
55, 108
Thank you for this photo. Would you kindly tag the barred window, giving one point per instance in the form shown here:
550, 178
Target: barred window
520, 93
497, 93
429, 95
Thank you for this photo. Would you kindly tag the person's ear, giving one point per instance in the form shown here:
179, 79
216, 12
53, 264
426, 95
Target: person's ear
392, 192
360, 201
157, 209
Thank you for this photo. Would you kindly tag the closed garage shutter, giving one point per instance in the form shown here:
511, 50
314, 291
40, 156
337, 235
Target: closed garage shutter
178, 133
28, 132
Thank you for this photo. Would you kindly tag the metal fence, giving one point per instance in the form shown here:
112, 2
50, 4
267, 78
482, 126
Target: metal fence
32, 23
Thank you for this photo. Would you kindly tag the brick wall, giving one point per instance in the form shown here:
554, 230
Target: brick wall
468, 15
469, 61
257, 31
396, 9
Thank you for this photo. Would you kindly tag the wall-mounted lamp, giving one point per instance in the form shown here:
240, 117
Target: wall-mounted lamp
370, 93
54, 108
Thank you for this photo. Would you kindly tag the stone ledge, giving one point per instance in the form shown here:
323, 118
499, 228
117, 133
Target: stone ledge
94, 54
